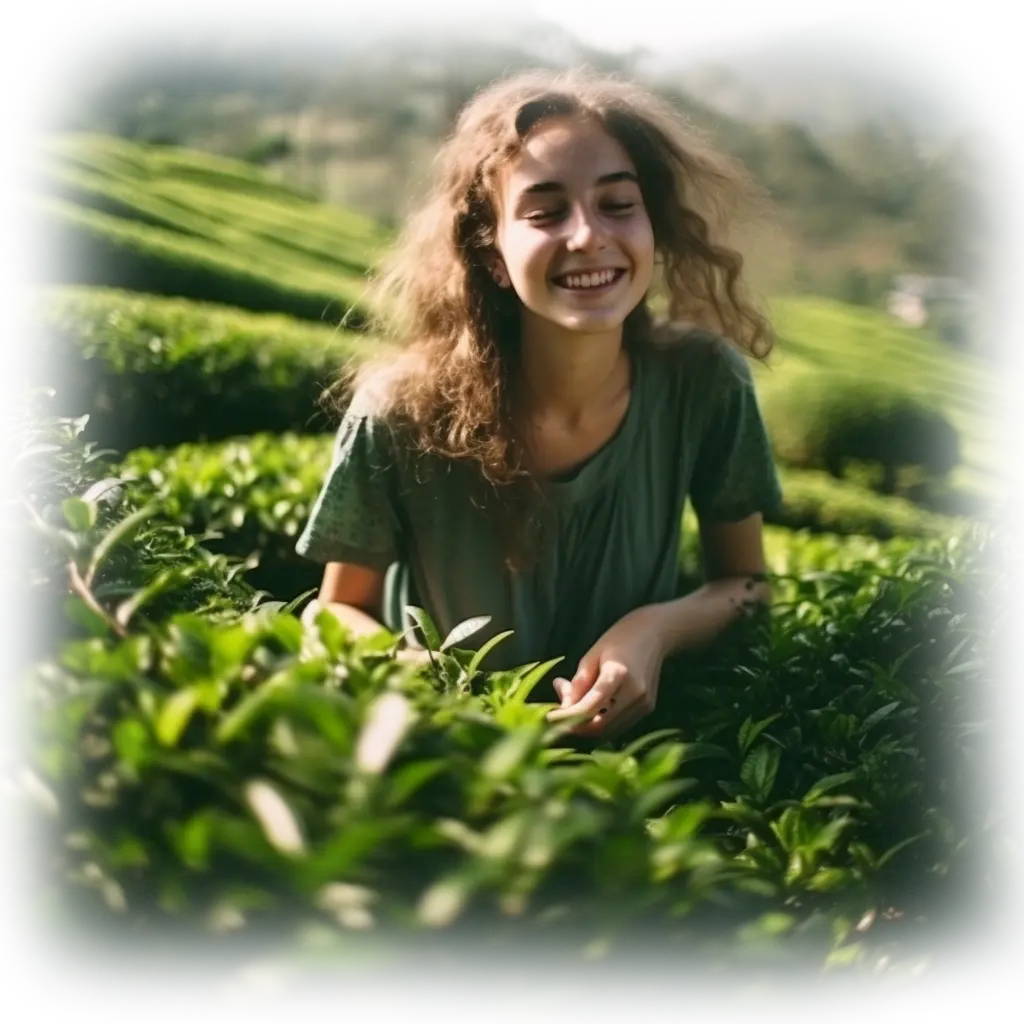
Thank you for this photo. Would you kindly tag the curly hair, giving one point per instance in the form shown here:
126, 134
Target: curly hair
459, 333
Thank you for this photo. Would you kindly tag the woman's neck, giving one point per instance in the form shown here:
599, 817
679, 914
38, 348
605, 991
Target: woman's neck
568, 379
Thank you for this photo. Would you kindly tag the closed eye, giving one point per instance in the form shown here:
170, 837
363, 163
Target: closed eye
613, 208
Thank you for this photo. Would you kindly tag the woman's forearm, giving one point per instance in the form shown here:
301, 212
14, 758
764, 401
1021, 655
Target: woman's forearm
360, 623
694, 621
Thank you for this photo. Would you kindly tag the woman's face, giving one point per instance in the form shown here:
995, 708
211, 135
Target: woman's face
573, 232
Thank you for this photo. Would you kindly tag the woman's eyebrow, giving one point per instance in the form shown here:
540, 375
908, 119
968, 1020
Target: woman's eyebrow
557, 186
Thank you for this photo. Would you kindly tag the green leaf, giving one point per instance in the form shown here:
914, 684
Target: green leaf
829, 879
131, 741
967, 666
750, 730
294, 603
430, 634
634, 748
695, 751
90, 620
827, 783
506, 755
403, 783
522, 688
657, 796
247, 708
465, 629
759, 769
117, 533
893, 850
443, 901
166, 579
175, 714
485, 650
80, 515
877, 716
660, 762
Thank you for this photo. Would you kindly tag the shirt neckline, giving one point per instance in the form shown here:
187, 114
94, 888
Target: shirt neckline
602, 466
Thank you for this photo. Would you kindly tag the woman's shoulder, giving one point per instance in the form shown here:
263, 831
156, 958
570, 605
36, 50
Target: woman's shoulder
695, 351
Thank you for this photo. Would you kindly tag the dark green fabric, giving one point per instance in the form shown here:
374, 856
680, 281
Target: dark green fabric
692, 429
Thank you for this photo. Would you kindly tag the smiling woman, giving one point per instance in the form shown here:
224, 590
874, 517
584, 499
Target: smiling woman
528, 455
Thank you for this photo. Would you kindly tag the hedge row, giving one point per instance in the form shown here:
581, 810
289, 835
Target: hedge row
83, 246
816, 804
258, 492
69, 485
194, 181
156, 371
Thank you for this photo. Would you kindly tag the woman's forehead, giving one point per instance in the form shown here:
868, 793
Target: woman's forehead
568, 151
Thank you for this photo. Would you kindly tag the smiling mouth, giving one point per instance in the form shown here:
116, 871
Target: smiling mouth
562, 283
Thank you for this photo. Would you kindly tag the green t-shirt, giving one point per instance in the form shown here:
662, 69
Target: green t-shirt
692, 429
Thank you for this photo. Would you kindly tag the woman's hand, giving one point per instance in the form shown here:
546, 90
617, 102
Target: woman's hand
616, 683
412, 656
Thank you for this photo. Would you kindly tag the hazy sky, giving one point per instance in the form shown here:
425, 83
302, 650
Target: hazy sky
670, 25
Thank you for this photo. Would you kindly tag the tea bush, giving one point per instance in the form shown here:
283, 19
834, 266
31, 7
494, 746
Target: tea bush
257, 492
825, 420
816, 801
151, 370
68, 490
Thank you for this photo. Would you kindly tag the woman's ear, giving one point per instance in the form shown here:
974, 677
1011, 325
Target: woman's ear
500, 273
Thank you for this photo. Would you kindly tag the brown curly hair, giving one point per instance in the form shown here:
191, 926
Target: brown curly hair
459, 333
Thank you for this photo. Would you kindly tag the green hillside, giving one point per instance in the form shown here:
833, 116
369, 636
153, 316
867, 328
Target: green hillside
172, 221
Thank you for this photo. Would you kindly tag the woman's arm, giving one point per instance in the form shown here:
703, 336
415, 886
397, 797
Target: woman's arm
734, 567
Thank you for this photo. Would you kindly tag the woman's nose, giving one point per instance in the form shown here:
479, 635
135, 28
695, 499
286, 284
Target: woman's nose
585, 229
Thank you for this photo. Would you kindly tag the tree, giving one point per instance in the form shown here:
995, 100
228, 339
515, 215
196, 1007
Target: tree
969, 223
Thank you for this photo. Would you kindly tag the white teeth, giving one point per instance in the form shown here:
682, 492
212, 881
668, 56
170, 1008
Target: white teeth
595, 280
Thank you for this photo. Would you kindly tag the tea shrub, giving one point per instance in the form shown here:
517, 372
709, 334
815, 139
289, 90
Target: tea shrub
816, 799
824, 420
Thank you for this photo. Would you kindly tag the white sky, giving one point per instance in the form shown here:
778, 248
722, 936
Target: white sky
670, 25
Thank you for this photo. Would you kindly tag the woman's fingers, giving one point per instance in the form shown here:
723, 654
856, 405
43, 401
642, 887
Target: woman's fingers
600, 695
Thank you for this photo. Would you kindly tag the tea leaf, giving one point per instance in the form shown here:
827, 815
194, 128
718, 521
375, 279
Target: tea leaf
759, 769
175, 714
121, 531
750, 730
877, 716
463, 630
80, 515
827, 783
893, 850
658, 795
430, 634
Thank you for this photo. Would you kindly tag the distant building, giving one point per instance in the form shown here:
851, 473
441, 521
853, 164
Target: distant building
915, 299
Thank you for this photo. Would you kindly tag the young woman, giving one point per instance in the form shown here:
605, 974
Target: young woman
528, 453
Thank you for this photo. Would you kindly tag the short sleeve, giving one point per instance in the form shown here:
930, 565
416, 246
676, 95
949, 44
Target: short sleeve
354, 517
734, 473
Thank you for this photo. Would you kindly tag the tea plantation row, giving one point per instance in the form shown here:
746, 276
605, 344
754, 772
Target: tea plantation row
201, 764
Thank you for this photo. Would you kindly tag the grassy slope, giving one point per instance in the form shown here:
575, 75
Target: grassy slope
181, 206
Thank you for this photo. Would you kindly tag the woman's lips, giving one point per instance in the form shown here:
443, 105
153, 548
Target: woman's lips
589, 282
